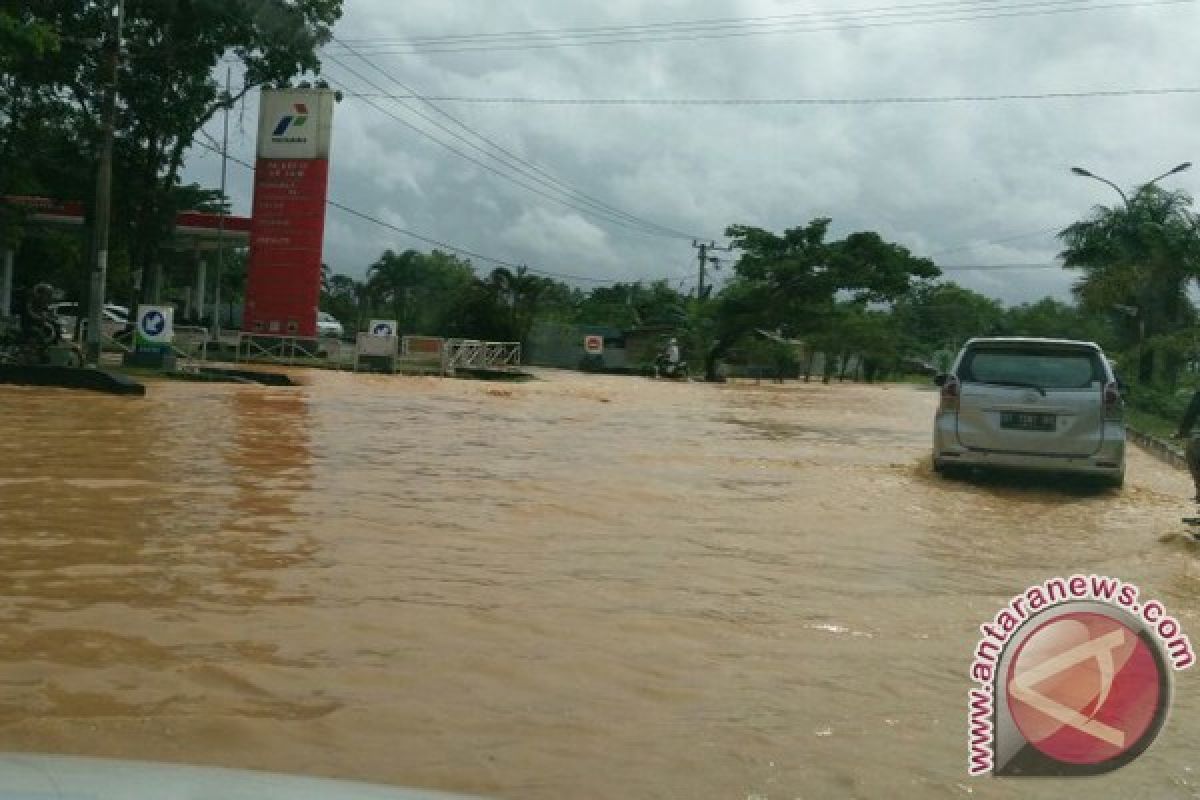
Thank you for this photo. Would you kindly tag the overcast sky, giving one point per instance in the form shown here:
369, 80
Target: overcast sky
946, 180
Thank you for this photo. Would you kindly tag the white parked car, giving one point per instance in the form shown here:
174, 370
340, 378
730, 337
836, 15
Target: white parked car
116, 318
328, 325
1031, 404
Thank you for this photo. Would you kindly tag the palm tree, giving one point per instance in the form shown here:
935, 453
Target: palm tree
392, 280
520, 292
1138, 258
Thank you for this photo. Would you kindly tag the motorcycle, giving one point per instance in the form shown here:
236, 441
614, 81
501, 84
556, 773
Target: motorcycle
677, 371
43, 345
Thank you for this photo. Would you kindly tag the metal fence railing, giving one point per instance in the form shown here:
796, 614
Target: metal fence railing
276, 349
191, 344
475, 354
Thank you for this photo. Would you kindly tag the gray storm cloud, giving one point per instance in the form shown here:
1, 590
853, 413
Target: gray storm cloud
951, 177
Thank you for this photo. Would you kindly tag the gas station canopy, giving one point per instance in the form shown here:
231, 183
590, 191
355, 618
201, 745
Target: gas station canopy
194, 230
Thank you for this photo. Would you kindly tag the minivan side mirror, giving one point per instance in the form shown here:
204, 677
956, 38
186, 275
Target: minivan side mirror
940, 379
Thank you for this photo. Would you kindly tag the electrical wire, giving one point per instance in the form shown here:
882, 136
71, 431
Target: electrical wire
995, 267
507, 157
533, 188
1039, 9
804, 101
927, 7
423, 238
565, 276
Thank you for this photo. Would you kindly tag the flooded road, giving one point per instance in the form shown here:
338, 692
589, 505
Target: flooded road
581, 587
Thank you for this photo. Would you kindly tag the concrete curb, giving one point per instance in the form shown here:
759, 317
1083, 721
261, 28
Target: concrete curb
1161, 449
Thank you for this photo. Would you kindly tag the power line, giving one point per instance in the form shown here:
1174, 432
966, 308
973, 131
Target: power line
521, 179
1039, 9
507, 157
779, 23
1016, 237
675, 25
462, 250
990, 267
565, 276
423, 238
803, 101
495, 171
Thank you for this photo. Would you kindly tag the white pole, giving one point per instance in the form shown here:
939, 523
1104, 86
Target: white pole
221, 218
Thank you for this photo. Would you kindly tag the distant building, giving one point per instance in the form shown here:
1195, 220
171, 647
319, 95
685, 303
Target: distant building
563, 345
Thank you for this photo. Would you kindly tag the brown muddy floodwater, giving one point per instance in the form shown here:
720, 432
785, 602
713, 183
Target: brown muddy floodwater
580, 587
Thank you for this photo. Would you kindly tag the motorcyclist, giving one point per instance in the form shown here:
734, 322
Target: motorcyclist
37, 322
673, 355
668, 364
39, 325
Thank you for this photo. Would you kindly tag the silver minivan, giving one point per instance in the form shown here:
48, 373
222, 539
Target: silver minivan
1031, 404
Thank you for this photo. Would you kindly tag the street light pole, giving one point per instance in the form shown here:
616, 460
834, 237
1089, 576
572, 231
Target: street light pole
221, 219
1173, 171
1139, 312
103, 208
1083, 173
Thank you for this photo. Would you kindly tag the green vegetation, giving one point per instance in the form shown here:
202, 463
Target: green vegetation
872, 309
52, 85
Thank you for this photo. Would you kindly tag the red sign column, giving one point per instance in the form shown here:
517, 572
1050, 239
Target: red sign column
283, 283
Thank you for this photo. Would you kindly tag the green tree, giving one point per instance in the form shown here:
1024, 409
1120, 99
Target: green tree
872, 336
939, 317
35, 137
445, 279
167, 89
343, 297
632, 305
792, 282
517, 291
393, 279
1053, 319
1139, 258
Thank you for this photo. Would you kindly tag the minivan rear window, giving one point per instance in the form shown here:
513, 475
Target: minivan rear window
1047, 368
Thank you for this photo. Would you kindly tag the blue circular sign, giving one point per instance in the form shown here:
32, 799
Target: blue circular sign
154, 323
383, 330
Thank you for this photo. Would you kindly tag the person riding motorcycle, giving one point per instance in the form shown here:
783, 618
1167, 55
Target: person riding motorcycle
38, 323
39, 327
668, 364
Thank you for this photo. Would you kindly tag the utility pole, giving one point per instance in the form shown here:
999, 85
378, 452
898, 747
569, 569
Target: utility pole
704, 259
104, 194
221, 219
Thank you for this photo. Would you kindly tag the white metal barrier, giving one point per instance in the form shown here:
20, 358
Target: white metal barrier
191, 342
502, 354
275, 348
474, 354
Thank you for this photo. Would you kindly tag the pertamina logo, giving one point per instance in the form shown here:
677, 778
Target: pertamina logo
288, 123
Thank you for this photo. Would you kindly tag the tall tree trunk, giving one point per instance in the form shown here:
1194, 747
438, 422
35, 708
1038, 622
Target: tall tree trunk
711, 360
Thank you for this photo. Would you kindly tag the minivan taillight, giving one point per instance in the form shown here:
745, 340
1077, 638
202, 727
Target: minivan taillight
949, 401
1113, 405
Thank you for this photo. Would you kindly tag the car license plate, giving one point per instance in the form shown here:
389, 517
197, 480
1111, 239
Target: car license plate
1027, 422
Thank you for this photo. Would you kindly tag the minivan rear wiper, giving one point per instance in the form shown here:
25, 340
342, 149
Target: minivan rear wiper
1016, 383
